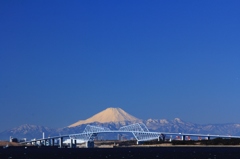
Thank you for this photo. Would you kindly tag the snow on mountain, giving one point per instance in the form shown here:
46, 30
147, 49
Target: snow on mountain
27, 131
109, 115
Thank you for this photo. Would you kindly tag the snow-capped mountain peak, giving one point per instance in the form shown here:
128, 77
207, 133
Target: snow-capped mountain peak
107, 116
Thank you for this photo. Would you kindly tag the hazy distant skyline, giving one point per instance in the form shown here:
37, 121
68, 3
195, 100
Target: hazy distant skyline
62, 61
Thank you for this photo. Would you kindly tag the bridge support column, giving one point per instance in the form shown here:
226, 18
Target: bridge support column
161, 137
60, 142
183, 138
71, 143
75, 143
90, 144
40, 142
139, 142
47, 142
208, 138
43, 142
52, 142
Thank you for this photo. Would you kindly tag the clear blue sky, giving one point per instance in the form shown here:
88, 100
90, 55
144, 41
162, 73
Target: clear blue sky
62, 61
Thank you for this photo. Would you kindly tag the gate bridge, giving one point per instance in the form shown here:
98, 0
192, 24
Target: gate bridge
139, 131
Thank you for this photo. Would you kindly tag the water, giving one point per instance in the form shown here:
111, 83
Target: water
122, 153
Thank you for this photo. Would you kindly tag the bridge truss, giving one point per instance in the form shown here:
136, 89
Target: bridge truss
139, 131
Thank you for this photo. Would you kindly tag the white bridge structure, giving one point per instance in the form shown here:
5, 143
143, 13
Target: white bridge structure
139, 131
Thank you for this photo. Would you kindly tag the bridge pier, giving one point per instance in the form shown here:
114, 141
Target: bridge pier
183, 138
208, 138
140, 142
40, 143
90, 144
61, 142
43, 142
73, 143
47, 142
161, 137
52, 142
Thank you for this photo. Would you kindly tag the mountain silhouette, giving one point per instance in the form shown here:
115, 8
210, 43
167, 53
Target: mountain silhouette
109, 115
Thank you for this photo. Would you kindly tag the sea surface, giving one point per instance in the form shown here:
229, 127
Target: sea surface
121, 153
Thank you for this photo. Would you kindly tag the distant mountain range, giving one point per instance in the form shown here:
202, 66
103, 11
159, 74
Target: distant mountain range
114, 118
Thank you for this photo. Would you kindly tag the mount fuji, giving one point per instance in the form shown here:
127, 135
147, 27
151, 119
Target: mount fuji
110, 115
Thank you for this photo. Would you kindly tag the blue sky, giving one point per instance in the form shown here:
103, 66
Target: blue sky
62, 61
